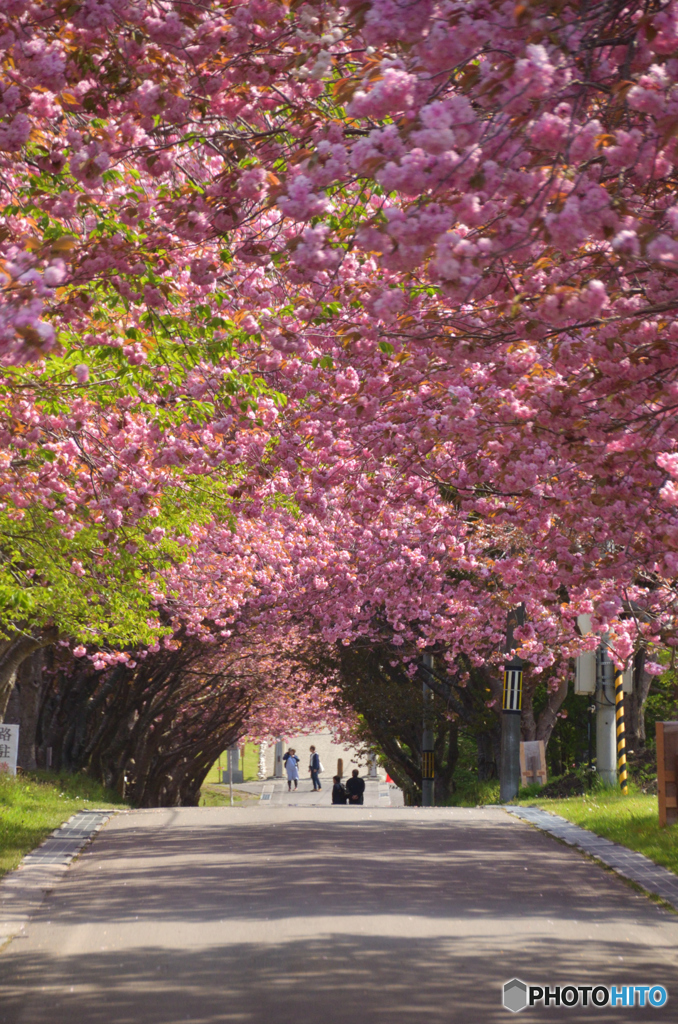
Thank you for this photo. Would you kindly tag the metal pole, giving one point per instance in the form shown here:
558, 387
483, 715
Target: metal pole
589, 732
230, 774
621, 732
278, 759
606, 733
512, 703
427, 740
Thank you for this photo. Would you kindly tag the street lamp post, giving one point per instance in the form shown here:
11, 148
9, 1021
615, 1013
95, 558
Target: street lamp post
427, 740
509, 777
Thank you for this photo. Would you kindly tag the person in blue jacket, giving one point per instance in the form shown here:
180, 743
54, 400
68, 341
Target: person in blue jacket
338, 791
314, 768
291, 762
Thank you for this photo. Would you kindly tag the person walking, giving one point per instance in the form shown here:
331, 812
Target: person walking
315, 768
355, 787
292, 768
338, 791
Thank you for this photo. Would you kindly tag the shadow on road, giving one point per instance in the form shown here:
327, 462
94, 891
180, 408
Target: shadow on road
335, 869
328, 922
348, 980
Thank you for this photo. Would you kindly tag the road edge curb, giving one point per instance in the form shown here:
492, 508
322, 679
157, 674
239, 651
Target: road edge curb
23, 890
638, 868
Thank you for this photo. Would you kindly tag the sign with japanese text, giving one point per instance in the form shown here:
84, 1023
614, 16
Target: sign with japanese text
9, 746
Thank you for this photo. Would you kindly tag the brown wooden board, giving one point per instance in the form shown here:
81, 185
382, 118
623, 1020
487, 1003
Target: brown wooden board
532, 763
667, 772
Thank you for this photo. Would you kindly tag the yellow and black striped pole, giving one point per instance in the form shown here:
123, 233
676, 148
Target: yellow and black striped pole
621, 735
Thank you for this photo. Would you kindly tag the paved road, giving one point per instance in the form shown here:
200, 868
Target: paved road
274, 792
312, 915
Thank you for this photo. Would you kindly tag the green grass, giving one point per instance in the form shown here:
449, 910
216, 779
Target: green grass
470, 792
33, 804
251, 765
215, 798
212, 797
631, 820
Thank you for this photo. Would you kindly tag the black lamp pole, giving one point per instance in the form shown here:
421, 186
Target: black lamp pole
512, 703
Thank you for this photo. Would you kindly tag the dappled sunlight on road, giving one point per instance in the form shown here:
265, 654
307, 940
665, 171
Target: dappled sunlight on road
293, 915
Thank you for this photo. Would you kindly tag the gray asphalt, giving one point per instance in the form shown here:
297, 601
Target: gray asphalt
313, 915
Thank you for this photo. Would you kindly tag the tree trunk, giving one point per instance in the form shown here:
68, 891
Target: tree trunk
12, 653
634, 705
145, 729
446, 757
23, 708
549, 715
487, 755
528, 724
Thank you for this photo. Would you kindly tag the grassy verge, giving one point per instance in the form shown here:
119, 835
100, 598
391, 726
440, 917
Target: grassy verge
33, 805
631, 820
250, 766
469, 792
218, 796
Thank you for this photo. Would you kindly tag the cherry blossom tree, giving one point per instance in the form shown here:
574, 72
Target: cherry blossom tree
387, 289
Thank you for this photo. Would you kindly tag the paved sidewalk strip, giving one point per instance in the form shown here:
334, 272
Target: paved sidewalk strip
23, 890
632, 865
66, 842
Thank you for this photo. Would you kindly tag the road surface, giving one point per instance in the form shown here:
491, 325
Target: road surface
321, 915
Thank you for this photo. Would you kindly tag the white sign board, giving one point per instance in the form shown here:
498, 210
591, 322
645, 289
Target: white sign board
585, 665
9, 747
585, 673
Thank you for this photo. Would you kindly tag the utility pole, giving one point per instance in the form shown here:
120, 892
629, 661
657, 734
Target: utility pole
606, 726
427, 739
596, 673
512, 703
589, 735
621, 731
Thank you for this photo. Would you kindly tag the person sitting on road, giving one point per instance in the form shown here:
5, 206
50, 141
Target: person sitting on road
338, 791
355, 787
292, 768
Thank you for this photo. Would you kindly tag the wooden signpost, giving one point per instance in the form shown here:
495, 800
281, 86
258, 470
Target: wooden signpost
667, 772
532, 763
